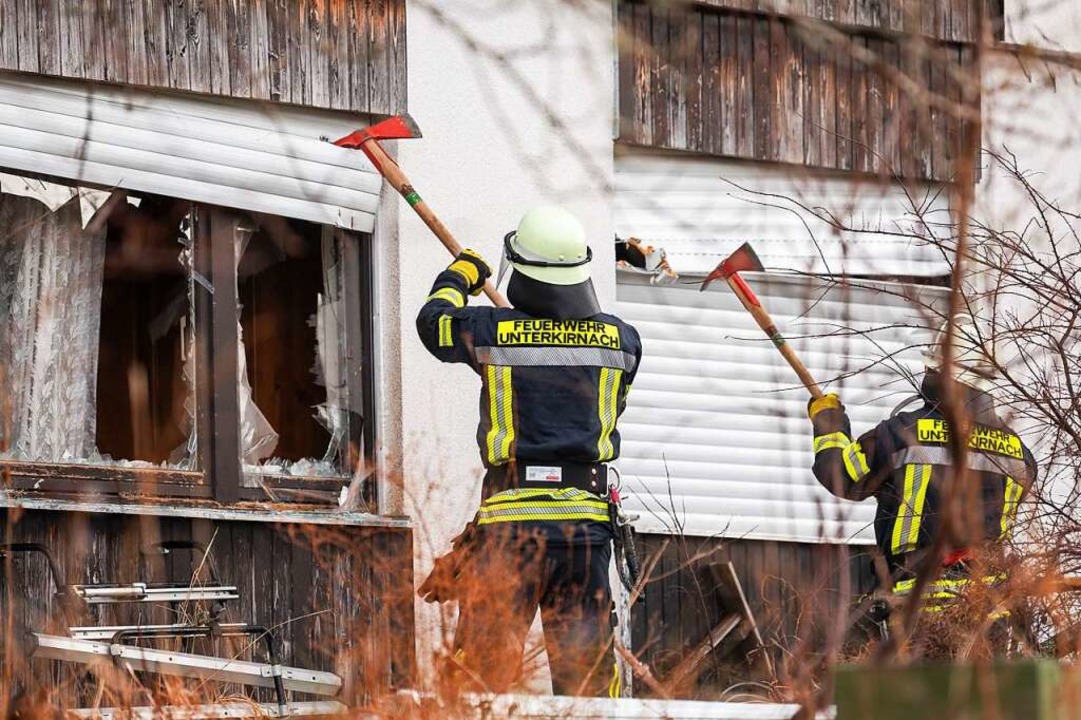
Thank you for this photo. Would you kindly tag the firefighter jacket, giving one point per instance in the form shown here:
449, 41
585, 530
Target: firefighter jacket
551, 394
905, 464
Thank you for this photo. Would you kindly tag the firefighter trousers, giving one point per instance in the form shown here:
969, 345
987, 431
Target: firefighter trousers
559, 567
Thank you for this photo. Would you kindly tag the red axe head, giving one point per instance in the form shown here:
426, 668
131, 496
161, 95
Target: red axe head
742, 260
399, 127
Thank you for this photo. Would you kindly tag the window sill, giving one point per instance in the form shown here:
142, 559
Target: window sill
200, 509
84, 478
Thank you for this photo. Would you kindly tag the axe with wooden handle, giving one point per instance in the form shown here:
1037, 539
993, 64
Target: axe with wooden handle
402, 127
742, 260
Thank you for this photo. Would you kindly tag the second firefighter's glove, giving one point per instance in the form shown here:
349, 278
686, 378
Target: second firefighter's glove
473, 269
826, 402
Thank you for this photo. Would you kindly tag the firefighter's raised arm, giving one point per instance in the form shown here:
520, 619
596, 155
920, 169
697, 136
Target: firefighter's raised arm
443, 321
847, 468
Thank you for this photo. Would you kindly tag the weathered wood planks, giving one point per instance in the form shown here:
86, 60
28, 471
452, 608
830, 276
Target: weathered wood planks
339, 598
342, 54
796, 592
771, 88
951, 20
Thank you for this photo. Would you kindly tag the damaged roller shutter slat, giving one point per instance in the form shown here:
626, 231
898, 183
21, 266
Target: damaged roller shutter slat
244, 155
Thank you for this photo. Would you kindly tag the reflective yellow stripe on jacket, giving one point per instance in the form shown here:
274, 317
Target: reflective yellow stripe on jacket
607, 393
940, 594
452, 295
446, 338
1013, 493
501, 413
530, 504
906, 528
855, 461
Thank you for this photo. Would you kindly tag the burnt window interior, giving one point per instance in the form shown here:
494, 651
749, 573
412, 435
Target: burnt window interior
110, 335
144, 409
293, 335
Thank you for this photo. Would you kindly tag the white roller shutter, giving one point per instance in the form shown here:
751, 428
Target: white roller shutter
244, 154
716, 439
699, 210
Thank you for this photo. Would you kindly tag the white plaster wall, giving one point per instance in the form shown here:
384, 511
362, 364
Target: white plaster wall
515, 99
1050, 24
1030, 111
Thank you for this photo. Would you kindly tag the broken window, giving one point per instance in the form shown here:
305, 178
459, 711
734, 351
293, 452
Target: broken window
145, 379
303, 418
117, 322
94, 308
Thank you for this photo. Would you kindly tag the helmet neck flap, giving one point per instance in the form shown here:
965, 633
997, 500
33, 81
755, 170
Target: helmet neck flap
558, 302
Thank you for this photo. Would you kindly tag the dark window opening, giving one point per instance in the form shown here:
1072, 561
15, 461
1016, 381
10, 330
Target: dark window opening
145, 405
304, 417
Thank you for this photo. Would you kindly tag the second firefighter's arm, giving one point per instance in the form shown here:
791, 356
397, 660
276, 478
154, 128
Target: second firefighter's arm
849, 468
444, 322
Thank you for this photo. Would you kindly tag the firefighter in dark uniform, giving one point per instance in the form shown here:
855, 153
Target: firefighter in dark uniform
905, 463
555, 372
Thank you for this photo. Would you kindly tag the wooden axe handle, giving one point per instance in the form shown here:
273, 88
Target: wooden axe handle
394, 175
750, 302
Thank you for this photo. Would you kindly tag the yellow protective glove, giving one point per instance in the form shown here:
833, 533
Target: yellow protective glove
826, 402
471, 266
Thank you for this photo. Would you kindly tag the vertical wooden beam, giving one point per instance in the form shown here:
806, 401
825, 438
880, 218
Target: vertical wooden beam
814, 134
659, 78
745, 125
238, 24
396, 58
712, 122
136, 45
259, 50
829, 98
200, 39
676, 79
693, 71
318, 41
9, 35
842, 61
337, 43
643, 75
728, 83
300, 87
222, 379
763, 90
27, 19
278, 49
378, 56
176, 44
874, 113
94, 43
861, 88
219, 41
892, 140
116, 32
157, 45
359, 87
49, 36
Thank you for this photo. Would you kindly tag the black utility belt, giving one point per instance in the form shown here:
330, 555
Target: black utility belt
591, 477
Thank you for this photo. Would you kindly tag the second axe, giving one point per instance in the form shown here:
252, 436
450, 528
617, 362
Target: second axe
745, 259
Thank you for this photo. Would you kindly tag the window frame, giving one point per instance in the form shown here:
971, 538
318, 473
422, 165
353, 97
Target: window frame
217, 414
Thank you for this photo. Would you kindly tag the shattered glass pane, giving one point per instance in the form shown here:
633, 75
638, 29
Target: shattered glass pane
294, 397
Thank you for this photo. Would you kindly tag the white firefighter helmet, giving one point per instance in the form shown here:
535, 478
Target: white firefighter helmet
972, 363
550, 258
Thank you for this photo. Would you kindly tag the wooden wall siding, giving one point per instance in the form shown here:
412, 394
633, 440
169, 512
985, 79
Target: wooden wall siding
794, 589
340, 598
753, 86
952, 20
339, 54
